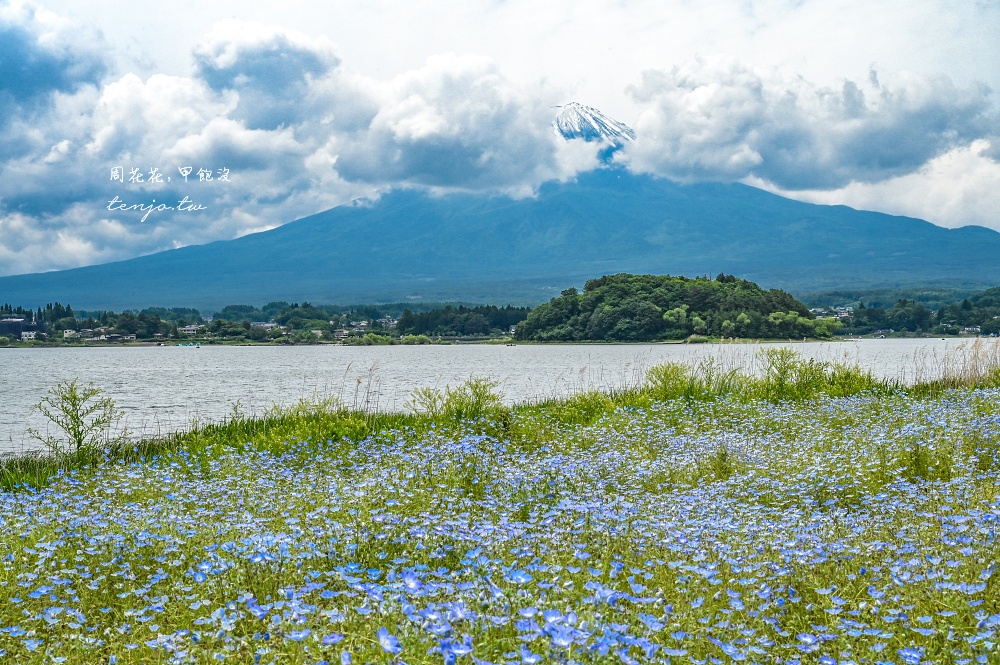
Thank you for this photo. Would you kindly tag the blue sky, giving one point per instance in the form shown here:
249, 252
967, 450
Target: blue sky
889, 106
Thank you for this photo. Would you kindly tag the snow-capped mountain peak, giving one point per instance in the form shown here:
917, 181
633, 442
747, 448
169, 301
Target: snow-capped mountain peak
577, 121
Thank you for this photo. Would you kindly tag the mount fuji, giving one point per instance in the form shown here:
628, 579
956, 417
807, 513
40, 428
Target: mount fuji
487, 248
577, 121
482, 247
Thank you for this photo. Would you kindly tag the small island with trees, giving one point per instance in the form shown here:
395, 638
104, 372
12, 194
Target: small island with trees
651, 308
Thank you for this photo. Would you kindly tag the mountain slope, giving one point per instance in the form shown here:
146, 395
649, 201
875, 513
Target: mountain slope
482, 248
577, 121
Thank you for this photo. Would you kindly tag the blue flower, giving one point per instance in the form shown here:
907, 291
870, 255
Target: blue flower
520, 577
911, 655
388, 641
528, 657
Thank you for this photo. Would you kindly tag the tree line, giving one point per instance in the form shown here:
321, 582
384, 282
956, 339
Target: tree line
485, 320
978, 311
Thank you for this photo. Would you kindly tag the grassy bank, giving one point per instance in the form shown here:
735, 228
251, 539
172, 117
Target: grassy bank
791, 512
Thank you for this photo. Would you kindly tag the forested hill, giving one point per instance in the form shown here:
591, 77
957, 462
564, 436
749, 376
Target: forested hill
646, 308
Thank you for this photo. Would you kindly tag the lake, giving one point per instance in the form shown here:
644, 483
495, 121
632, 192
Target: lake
166, 388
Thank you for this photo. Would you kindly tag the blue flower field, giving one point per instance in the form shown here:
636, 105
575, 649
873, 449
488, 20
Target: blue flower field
628, 528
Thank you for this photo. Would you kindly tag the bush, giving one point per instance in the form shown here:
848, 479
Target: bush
783, 375
474, 399
86, 420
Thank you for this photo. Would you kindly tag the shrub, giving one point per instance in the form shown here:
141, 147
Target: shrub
86, 419
474, 399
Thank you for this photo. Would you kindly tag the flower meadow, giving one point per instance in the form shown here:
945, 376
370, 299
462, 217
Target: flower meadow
603, 528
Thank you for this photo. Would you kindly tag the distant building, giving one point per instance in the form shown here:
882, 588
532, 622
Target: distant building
18, 327
192, 329
28, 334
70, 334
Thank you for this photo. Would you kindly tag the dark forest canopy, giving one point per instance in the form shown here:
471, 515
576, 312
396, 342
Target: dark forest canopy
646, 308
462, 321
979, 313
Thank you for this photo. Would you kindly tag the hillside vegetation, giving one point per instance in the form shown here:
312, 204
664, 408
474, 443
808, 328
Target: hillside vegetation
646, 308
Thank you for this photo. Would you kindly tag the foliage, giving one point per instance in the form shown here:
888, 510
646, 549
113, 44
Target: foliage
174, 314
931, 298
778, 374
371, 339
980, 310
474, 399
462, 321
85, 419
643, 308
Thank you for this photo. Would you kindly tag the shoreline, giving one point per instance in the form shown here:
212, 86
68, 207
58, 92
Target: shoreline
497, 341
684, 379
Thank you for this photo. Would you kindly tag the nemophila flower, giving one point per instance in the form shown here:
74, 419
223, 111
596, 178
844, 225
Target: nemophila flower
911, 655
529, 658
411, 581
388, 641
755, 539
519, 577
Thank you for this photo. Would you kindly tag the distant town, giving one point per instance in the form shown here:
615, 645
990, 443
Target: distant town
303, 323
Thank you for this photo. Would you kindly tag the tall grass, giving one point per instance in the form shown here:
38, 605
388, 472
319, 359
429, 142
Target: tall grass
773, 375
778, 374
972, 365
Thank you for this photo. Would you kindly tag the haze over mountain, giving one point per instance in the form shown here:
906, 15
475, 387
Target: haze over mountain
476, 247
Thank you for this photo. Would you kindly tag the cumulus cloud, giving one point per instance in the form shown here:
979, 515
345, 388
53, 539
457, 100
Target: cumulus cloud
715, 118
957, 188
454, 123
295, 132
41, 55
269, 67
300, 132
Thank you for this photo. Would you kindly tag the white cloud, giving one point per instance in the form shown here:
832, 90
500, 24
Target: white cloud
716, 118
269, 67
304, 125
958, 188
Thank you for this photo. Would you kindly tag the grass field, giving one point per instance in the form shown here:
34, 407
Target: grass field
805, 513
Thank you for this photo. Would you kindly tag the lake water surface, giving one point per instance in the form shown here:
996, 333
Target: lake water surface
165, 388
